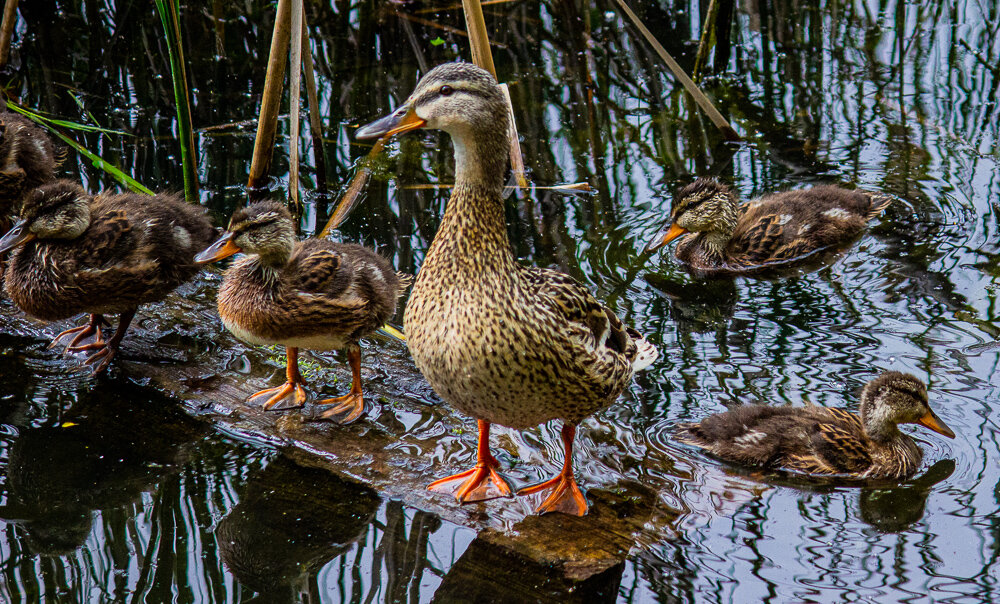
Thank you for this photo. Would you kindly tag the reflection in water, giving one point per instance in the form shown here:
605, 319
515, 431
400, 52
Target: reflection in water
59, 475
894, 509
290, 521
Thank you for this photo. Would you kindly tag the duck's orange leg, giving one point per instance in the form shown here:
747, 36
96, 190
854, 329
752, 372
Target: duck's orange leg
106, 350
289, 395
481, 482
79, 338
565, 497
351, 406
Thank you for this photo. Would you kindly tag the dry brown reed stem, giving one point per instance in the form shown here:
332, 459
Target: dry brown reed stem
692, 88
352, 195
315, 120
483, 57
295, 99
7, 29
576, 187
707, 39
267, 122
428, 23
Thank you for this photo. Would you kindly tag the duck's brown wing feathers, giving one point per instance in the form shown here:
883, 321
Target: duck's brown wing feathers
783, 226
109, 265
574, 303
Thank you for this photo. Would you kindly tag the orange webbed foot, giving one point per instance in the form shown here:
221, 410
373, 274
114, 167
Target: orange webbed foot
347, 408
565, 496
478, 484
289, 395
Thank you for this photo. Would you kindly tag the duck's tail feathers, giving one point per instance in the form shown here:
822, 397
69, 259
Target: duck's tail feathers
646, 354
405, 280
880, 201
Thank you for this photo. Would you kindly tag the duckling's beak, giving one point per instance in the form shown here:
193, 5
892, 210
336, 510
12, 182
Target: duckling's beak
222, 248
403, 119
18, 235
665, 236
932, 421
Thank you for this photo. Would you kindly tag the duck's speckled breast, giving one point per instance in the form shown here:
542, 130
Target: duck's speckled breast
492, 352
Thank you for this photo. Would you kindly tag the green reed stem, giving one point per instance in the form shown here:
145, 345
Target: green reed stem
170, 16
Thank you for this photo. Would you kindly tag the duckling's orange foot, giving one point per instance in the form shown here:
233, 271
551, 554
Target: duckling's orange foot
347, 408
565, 497
478, 484
289, 395
85, 337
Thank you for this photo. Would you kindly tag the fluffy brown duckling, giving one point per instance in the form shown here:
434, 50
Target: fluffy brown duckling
301, 294
825, 441
77, 253
724, 238
27, 160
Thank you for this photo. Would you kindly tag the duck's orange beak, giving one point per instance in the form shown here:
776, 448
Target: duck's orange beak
401, 120
17, 235
932, 421
222, 248
665, 236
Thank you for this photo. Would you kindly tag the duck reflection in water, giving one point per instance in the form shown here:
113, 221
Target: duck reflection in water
57, 476
290, 521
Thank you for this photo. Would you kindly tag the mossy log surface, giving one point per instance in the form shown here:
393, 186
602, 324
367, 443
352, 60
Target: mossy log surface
179, 348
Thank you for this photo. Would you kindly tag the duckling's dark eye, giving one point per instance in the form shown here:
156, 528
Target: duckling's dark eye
446, 90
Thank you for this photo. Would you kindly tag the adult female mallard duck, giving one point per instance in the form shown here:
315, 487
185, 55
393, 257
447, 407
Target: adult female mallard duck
301, 294
99, 254
824, 441
777, 229
502, 342
27, 160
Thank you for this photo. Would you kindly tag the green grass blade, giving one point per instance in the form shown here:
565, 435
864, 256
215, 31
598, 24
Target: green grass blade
49, 124
170, 13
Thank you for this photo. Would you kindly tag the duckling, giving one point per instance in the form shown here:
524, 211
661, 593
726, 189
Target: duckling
777, 229
101, 254
27, 160
301, 294
502, 342
822, 440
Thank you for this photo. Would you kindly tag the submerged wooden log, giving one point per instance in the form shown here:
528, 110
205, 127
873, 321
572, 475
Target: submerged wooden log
179, 348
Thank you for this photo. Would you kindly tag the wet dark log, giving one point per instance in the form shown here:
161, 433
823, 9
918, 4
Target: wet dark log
180, 349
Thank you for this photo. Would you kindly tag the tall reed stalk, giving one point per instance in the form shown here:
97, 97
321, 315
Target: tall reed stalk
267, 121
170, 16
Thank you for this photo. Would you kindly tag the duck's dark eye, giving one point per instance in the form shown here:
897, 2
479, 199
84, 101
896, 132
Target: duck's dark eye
446, 90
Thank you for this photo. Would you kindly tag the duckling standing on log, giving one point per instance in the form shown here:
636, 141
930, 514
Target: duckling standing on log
499, 341
76, 253
313, 294
27, 160
825, 441
777, 229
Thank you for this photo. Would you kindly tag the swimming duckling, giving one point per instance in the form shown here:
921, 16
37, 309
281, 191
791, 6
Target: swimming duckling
776, 229
76, 253
313, 294
502, 342
822, 440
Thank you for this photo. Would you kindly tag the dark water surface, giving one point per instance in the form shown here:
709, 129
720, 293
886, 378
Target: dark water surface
109, 491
